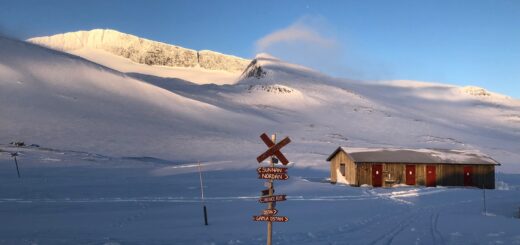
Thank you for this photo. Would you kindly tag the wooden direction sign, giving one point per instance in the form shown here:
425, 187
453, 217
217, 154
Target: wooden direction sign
271, 170
270, 143
270, 212
266, 192
274, 149
274, 198
270, 218
274, 176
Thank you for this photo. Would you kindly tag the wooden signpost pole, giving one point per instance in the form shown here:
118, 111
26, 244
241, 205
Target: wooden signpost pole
271, 174
270, 204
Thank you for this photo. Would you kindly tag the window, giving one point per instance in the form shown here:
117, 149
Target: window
342, 169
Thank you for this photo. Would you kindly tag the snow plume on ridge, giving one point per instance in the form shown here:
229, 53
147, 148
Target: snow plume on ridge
303, 39
300, 31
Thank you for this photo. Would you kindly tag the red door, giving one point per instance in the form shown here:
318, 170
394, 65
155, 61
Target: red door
468, 176
431, 177
410, 174
377, 175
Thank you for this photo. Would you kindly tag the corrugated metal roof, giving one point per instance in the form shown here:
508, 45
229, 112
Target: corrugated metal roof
428, 156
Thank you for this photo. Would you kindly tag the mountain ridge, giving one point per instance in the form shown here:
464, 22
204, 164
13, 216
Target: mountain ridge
141, 50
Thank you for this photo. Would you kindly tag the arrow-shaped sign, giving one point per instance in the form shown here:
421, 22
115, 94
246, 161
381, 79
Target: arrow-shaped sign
274, 176
270, 218
274, 198
269, 212
271, 170
266, 192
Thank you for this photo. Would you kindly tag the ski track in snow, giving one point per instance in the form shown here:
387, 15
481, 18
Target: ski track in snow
393, 225
120, 223
434, 230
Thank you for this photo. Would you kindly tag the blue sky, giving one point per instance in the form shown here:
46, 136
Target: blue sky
457, 42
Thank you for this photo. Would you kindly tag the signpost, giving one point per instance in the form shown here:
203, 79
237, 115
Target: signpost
275, 198
271, 174
270, 143
265, 192
270, 218
274, 149
274, 176
273, 211
270, 170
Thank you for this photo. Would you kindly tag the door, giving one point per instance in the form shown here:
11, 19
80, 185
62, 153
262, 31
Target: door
431, 176
377, 175
410, 174
468, 176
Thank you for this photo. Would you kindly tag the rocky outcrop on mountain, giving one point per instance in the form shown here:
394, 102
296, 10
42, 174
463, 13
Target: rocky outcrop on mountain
254, 69
475, 91
274, 88
142, 50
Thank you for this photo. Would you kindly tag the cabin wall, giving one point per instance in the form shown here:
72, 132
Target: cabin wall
364, 174
420, 174
483, 176
350, 169
392, 174
450, 175
333, 175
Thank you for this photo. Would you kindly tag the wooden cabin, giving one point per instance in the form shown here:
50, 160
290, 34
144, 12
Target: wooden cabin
387, 167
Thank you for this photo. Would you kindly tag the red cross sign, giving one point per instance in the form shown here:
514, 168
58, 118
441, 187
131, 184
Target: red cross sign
274, 149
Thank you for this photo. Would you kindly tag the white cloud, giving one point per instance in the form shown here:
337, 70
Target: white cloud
308, 41
312, 41
298, 32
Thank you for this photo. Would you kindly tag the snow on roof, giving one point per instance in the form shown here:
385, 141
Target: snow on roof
401, 155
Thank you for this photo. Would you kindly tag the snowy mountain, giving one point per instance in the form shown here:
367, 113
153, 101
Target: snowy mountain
403, 113
271, 95
70, 102
116, 153
130, 53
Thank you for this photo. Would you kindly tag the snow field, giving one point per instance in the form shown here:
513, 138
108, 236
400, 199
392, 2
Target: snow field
73, 199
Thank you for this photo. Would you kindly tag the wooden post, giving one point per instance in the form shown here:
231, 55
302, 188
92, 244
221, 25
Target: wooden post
270, 204
202, 197
17, 170
16, 163
484, 197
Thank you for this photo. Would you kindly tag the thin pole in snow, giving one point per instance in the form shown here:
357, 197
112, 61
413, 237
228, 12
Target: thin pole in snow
16, 163
202, 197
484, 197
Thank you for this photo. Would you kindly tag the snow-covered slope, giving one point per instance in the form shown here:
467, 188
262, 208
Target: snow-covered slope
325, 112
146, 56
117, 155
68, 102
